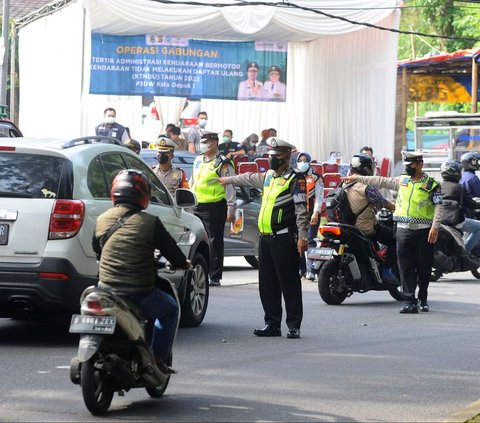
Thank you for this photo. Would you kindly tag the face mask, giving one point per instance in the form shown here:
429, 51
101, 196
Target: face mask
110, 119
204, 147
303, 166
410, 171
275, 162
226, 140
163, 158
202, 123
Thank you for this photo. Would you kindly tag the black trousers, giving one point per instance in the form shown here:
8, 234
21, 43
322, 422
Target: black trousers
213, 216
415, 258
278, 274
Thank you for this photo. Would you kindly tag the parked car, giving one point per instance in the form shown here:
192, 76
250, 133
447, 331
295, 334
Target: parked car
240, 240
51, 193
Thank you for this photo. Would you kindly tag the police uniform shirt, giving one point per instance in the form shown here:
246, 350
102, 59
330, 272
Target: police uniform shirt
231, 147
274, 91
250, 90
172, 178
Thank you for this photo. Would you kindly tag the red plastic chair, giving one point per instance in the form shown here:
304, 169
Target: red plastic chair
263, 164
245, 167
317, 167
385, 167
237, 160
332, 180
330, 167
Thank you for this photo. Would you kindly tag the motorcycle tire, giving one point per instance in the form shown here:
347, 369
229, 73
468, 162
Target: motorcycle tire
158, 391
436, 274
396, 293
476, 273
97, 388
327, 284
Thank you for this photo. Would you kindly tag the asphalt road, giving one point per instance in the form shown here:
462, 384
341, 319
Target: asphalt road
361, 361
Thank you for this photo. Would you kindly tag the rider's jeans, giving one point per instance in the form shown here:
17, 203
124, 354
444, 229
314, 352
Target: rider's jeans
472, 227
163, 308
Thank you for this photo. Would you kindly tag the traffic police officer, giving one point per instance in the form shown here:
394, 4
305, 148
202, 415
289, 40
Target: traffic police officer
283, 224
173, 177
110, 128
417, 219
216, 204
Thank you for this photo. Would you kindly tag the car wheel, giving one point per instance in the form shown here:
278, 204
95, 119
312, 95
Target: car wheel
196, 295
252, 261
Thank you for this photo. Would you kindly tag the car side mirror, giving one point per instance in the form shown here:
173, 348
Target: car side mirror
184, 198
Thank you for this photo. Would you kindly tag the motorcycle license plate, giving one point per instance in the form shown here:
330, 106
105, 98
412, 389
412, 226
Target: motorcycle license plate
320, 254
93, 324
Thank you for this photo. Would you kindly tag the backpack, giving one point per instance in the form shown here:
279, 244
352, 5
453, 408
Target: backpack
338, 207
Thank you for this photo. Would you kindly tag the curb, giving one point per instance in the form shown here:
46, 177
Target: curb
466, 414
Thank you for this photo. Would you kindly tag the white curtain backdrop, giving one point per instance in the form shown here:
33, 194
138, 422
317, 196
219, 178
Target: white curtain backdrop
340, 85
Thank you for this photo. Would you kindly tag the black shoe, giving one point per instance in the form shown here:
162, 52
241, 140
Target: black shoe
268, 331
293, 334
424, 307
214, 282
409, 308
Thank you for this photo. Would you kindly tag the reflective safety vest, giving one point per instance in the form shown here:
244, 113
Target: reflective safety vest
414, 202
205, 186
278, 210
311, 179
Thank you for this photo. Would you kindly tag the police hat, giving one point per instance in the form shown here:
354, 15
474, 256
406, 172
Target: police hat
165, 144
133, 145
411, 157
252, 65
274, 69
207, 136
278, 146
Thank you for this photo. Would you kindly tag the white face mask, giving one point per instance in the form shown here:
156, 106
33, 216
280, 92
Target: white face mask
303, 166
110, 119
202, 123
204, 147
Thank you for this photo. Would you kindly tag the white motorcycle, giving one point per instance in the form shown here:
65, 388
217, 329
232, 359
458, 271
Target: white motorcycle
114, 354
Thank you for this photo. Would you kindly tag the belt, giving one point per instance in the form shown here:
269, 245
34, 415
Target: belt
280, 232
413, 226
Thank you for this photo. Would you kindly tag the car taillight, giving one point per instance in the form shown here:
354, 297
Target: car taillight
66, 219
330, 230
7, 148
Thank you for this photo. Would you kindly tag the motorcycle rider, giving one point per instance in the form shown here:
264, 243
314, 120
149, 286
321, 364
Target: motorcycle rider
470, 162
455, 200
126, 257
364, 201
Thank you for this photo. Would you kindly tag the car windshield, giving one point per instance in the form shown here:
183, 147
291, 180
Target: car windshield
30, 176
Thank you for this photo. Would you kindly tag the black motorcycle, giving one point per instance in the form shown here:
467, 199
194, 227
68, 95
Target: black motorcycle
349, 262
450, 254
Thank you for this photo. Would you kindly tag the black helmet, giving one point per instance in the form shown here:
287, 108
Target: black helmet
362, 164
451, 171
131, 187
470, 161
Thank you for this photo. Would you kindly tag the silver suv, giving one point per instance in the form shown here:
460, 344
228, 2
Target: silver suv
51, 193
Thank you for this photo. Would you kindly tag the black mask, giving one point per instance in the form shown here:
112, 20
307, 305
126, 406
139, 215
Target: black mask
275, 162
163, 158
410, 171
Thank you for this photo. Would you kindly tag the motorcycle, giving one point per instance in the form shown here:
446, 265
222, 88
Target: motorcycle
348, 262
450, 255
114, 354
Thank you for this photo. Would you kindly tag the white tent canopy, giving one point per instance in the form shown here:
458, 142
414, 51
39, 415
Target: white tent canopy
340, 84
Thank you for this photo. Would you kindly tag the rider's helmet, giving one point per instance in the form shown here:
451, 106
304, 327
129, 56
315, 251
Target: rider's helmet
362, 164
131, 187
470, 161
451, 171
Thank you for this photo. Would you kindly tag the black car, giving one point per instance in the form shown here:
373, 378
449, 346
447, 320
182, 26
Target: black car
241, 237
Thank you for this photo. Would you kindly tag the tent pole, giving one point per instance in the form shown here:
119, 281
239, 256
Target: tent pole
13, 79
404, 105
5, 30
474, 85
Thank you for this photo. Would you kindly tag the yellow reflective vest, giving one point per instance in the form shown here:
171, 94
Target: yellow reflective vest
205, 186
